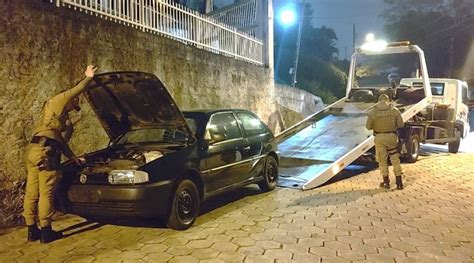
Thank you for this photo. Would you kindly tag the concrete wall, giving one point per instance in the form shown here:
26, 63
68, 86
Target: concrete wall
295, 104
45, 49
297, 100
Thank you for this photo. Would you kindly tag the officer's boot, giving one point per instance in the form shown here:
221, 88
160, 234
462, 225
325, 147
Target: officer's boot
398, 180
33, 233
386, 183
49, 235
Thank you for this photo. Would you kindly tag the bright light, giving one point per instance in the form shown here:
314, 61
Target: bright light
288, 15
370, 37
375, 46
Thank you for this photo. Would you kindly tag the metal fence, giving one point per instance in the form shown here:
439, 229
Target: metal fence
165, 17
242, 15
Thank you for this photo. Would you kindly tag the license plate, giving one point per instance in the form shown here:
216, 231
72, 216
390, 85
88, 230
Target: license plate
83, 196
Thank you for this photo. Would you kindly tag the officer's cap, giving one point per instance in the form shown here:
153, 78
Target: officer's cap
384, 98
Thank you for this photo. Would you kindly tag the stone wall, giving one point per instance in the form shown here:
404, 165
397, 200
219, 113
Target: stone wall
45, 49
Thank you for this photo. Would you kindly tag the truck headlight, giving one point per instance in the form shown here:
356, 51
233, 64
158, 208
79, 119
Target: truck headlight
127, 177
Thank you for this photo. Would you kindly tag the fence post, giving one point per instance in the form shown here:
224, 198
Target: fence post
235, 42
142, 15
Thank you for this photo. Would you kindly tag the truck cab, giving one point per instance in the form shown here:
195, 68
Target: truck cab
445, 119
450, 95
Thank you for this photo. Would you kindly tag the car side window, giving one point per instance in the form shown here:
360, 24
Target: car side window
192, 124
226, 124
251, 124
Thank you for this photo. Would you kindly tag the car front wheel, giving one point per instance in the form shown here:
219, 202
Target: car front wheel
184, 205
270, 175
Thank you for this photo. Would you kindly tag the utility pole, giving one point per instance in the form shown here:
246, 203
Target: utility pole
353, 37
451, 57
298, 44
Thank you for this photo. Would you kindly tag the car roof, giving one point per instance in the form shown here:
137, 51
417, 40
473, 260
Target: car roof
212, 111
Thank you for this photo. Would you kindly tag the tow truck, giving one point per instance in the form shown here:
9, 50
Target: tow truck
320, 146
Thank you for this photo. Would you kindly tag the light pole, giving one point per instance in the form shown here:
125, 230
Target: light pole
288, 16
298, 44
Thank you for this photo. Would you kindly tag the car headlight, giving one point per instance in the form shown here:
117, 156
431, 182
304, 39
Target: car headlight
127, 177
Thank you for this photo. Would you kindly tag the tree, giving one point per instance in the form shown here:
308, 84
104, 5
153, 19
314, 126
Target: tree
443, 29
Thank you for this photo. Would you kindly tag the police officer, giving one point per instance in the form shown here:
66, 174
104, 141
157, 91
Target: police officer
52, 131
384, 121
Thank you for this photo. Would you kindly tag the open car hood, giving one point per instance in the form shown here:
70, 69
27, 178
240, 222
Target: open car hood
125, 101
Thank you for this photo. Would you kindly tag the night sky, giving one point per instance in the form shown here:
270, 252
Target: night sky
340, 15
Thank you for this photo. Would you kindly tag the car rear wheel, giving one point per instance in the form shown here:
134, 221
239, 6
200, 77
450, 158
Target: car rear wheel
184, 205
270, 175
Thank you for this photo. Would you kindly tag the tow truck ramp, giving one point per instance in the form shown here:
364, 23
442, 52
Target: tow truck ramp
320, 146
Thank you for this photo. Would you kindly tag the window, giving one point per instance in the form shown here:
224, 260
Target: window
465, 95
252, 125
192, 124
437, 89
226, 124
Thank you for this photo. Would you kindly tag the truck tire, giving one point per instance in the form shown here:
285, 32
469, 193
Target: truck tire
453, 147
413, 149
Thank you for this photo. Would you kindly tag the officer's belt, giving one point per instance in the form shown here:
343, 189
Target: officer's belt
44, 141
394, 132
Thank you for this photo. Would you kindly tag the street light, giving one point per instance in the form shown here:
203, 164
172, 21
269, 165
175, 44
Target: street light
371, 44
287, 15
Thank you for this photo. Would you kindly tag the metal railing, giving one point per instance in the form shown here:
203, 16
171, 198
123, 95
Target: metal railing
242, 15
165, 17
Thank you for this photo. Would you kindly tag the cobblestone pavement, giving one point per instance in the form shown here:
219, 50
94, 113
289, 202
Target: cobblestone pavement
352, 220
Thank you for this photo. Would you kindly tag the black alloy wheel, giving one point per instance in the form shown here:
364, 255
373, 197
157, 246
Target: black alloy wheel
184, 205
270, 175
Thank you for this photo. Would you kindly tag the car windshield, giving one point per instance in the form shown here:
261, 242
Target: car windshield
383, 71
151, 135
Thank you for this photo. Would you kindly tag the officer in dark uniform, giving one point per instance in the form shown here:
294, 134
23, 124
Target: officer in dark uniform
50, 136
384, 121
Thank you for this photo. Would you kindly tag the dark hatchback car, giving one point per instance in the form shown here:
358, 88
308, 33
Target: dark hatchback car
162, 162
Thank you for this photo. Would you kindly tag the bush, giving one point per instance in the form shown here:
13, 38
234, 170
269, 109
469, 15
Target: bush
11, 204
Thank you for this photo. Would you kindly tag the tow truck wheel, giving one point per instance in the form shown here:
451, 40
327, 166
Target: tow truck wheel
413, 148
453, 147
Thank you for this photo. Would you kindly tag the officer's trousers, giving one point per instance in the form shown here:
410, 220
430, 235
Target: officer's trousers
385, 147
38, 203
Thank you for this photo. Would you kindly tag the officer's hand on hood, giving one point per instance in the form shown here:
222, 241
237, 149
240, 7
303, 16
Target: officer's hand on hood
90, 71
79, 161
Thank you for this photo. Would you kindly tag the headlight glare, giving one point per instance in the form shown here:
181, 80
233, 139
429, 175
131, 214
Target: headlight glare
127, 177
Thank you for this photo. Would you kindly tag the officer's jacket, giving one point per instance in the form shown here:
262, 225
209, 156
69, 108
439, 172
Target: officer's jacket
384, 118
53, 120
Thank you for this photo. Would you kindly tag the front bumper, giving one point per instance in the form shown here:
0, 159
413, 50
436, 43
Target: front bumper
144, 200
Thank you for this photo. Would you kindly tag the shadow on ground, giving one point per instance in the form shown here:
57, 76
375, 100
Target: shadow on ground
206, 207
